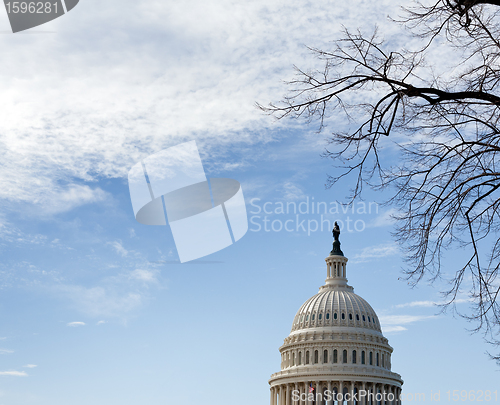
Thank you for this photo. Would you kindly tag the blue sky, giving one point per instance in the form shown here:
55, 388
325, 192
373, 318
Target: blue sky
94, 307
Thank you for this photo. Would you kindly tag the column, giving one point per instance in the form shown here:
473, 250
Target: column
271, 396
288, 394
316, 391
330, 402
307, 393
341, 391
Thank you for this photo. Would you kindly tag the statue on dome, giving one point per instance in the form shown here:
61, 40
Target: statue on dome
336, 231
336, 243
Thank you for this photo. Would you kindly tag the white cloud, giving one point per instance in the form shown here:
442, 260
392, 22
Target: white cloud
74, 324
376, 252
6, 351
101, 322
100, 301
391, 329
117, 245
292, 192
184, 70
14, 373
147, 276
418, 304
393, 323
427, 304
30, 365
383, 219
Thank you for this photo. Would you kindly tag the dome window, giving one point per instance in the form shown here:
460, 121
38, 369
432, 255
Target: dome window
343, 315
320, 316
371, 358
293, 359
325, 356
335, 315
307, 317
328, 316
364, 318
335, 356
363, 357
357, 317
368, 318
354, 357
316, 357
300, 358
307, 357
350, 317
378, 362
313, 317
344, 356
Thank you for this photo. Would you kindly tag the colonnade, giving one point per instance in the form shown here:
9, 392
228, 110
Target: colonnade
328, 393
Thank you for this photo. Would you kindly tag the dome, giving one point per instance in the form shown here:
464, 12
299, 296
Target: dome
335, 308
336, 346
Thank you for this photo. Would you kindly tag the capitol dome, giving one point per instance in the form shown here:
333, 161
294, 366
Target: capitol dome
335, 352
333, 307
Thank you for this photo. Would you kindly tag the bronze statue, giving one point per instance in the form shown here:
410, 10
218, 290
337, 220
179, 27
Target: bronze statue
336, 243
336, 231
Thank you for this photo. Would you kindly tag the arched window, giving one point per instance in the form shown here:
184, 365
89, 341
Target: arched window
316, 360
350, 317
325, 356
378, 360
335, 315
371, 358
368, 318
300, 358
363, 357
364, 318
335, 356
313, 317
320, 316
383, 360
344, 356
307, 357
354, 357
307, 317
327, 315
357, 317
343, 315
293, 359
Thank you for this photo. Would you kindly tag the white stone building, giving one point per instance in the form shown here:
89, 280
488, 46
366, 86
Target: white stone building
335, 346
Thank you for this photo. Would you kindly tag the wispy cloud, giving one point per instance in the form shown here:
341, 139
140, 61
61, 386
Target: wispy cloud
30, 365
292, 192
118, 246
147, 276
376, 252
6, 351
394, 323
100, 301
14, 373
75, 324
390, 329
428, 304
101, 322
383, 219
